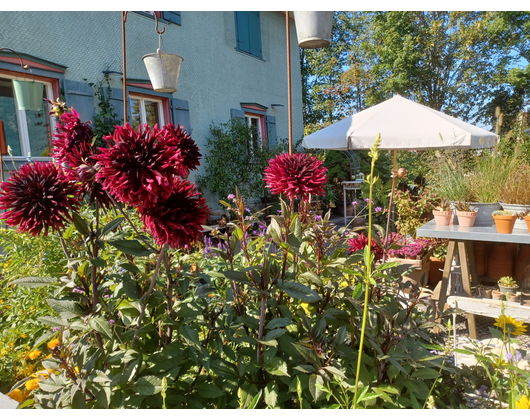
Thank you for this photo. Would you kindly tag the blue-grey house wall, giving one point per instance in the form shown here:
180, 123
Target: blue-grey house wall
215, 76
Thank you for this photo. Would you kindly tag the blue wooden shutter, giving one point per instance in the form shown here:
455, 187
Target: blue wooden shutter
237, 113
180, 112
254, 34
272, 139
242, 31
172, 17
80, 96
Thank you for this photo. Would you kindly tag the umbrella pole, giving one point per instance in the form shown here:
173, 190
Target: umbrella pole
289, 99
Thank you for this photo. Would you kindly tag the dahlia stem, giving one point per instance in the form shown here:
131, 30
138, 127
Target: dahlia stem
169, 297
93, 275
387, 230
148, 294
261, 325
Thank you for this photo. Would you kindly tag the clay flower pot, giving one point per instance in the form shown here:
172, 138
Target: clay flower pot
497, 295
485, 293
527, 219
504, 224
500, 262
443, 218
514, 298
436, 271
522, 261
466, 218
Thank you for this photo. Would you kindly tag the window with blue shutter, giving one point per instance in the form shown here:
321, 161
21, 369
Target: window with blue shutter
172, 17
248, 33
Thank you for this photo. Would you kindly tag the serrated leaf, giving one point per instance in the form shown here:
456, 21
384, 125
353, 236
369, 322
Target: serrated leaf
131, 247
313, 389
191, 335
239, 276
271, 394
313, 278
334, 371
35, 281
65, 308
148, 385
277, 367
300, 291
54, 321
277, 323
101, 325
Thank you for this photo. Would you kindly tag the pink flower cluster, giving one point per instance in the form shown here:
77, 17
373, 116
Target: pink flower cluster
408, 247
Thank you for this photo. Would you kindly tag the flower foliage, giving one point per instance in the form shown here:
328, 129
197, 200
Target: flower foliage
177, 220
38, 197
295, 175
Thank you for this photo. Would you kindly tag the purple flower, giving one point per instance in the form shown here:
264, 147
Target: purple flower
247, 209
278, 211
483, 391
378, 209
509, 356
107, 296
368, 200
111, 321
354, 203
76, 290
433, 352
318, 218
56, 329
231, 196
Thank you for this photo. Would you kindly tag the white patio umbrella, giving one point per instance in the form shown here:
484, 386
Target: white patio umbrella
403, 125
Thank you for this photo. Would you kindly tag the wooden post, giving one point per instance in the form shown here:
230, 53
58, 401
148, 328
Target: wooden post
466, 283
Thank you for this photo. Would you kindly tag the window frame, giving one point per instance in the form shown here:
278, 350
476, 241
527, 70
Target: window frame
241, 31
142, 99
50, 86
249, 116
143, 89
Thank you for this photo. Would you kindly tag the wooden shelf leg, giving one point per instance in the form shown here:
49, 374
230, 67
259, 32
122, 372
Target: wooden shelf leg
466, 283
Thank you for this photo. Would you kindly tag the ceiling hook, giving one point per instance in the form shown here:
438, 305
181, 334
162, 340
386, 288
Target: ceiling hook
156, 27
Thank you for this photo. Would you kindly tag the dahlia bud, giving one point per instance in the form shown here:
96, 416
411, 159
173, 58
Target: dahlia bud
402, 173
86, 173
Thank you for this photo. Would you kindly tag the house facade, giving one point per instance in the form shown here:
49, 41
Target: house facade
235, 65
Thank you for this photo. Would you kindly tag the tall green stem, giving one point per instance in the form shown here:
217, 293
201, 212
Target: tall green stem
374, 153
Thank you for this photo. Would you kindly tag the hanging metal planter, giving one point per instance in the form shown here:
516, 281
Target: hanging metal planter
163, 70
313, 28
29, 95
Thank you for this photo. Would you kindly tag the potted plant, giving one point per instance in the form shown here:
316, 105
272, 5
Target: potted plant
437, 261
465, 213
514, 297
497, 295
504, 220
526, 217
508, 285
443, 214
410, 252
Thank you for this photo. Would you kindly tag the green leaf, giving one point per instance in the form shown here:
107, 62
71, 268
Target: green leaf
130, 267
53, 321
132, 247
357, 291
191, 335
425, 373
239, 276
68, 232
300, 291
65, 308
80, 224
207, 390
275, 231
313, 278
148, 385
277, 323
334, 371
35, 281
130, 287
101, 325
271, 394
255, 401
277, 367
273, 334
112, 225
315, 391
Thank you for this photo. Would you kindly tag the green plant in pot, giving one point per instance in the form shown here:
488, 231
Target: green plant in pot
484, 291
515, 195
443, 214
504, 220
466, 213
508, 285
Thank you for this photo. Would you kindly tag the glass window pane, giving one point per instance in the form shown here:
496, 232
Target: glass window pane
136, 117
8, 115
151, 113
39, 131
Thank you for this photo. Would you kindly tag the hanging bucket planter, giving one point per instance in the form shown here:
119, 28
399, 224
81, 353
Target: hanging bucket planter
29, 95
163, 70
313, 28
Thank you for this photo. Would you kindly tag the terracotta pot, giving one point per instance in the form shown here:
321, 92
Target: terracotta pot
466, 218
496, 295
500, 262
481, 257
443, 218
504, 224
514, 298
435, 273
522, 261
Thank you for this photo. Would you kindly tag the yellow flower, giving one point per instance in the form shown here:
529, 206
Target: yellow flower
44, 373
23, 335
32, 384
54, 343
34, 354
523, 403
17, 395
510, 325
305, 307
344, 284
76, 369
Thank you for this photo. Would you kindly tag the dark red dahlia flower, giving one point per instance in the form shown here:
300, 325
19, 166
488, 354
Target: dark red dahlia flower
177, 220
139, 167
72, 145
361, 241
296, 175
189, 151
38, 196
